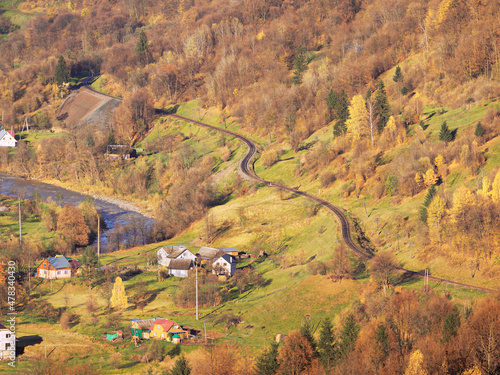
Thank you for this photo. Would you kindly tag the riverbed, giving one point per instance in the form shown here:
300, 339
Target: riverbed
117, 214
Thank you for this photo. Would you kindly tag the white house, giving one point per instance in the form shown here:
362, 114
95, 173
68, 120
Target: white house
167, 253
180, 267
7, 138
225, 265
7, 343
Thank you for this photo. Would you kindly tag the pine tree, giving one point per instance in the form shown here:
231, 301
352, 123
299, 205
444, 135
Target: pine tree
326, 345
398, 76
341, 114
382, 108
331, 102
181, 367
348, 336
61, 74
427, 201
267, 363
306, 331
299, 65
445, 133
118, 297
357, 123
381, 346
479, 132
142, 47
451, 324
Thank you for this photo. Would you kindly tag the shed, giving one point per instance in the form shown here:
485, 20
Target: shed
180, 267
209, 253
140, 328
176, 339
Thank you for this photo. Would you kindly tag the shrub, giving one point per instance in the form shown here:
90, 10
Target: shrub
326, 178
269, 157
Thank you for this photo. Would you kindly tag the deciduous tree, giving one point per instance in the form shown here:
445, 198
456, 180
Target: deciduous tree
118, 297
357, 124
71, 224
296, 354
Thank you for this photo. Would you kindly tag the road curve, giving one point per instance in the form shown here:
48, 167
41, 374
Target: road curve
245, 168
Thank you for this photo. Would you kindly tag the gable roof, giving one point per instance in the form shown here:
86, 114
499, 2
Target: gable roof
230, 250
209, 252
180, 264
229, 258
2, 327
164, 323
59, 262
143, 324
173, 252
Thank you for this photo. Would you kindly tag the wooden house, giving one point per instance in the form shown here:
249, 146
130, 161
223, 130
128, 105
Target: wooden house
163, 329
56, 267
7, 343
7, 138
225, 265
140, 328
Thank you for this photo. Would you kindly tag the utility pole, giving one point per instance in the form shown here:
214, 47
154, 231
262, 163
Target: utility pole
196, 266
205, 328
98, 237
20, 231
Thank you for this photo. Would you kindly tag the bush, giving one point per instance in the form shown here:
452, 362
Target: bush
326, 178
269, 157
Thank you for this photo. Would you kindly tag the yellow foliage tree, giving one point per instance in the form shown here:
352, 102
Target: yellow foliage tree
415, 364
430, 177
485, 188
435, 215
118, 297
357, 123
418, 179
495, 188
461, 198
472, 371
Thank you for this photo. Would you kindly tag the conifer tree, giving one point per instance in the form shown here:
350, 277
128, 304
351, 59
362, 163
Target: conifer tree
398, 76
479, 132
451, 324
341, 114
331, 102
61, 74
348, 336
381, 346
326, 345
306, 331
181, 367
142, 47
118, 297
267, 363
299, 65
445, 133
382, 108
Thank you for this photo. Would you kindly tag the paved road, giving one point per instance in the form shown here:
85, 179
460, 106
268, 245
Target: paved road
245, 167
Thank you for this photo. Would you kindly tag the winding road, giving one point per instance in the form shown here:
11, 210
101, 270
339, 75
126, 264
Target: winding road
245, 167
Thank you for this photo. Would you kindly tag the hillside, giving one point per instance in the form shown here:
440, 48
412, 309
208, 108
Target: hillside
389, 110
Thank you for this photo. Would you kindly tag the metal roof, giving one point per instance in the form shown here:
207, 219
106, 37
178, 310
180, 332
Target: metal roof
59, 262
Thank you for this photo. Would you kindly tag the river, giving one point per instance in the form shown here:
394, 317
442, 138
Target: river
115, 216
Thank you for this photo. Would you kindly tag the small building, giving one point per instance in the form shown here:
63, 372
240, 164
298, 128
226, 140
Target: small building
56, 267
7, 138
7, 343
120, 152
180, 267
208, 254
115, 336
225, 265
231, 251
140, 328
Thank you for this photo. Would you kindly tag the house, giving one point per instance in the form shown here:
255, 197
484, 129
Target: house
206, 254
120, 152
180, 267
168, 253
225, 265
7, 138
7, 343
140, 328
231, 251
163, 329
56, 267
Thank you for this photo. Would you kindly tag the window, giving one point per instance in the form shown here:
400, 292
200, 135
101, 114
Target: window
155, 334
7, 335
58, 272
158, 326
7, 345
163, 335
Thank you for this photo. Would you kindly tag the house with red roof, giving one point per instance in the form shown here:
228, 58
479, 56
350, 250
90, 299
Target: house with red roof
163, 329
7, 138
